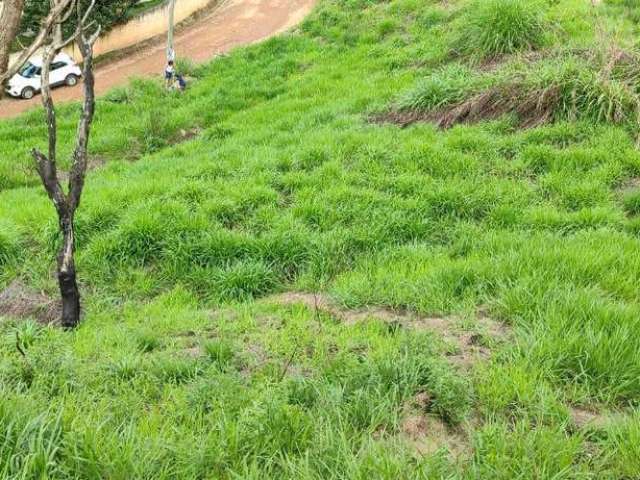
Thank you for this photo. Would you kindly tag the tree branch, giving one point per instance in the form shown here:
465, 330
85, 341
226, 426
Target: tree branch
49, 177
80, 153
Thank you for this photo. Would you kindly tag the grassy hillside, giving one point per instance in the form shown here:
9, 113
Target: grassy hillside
456, 187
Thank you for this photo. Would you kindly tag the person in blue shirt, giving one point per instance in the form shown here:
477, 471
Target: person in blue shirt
181, 82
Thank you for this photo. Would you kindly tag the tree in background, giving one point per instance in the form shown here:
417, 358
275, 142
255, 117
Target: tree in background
10, 15
59, 13
105, 13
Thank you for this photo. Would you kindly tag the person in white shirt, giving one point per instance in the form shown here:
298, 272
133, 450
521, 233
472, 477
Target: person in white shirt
169, 72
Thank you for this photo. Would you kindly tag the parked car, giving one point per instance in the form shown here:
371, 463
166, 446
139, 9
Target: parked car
28, 81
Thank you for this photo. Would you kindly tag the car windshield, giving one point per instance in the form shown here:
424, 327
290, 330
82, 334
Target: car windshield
29, 71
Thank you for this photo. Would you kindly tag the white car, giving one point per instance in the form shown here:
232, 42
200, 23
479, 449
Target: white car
27, 82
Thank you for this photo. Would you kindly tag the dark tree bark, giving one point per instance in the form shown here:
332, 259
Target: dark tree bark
66, 204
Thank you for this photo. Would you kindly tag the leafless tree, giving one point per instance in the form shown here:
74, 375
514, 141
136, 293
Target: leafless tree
66, 203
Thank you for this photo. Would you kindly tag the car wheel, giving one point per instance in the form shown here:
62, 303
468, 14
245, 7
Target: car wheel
28, 93
71, 80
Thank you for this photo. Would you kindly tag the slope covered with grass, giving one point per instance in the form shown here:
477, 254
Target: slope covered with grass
476, 310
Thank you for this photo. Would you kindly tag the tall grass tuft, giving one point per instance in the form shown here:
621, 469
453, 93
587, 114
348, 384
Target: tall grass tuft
8, 245
599, 85
497, 27
449, 85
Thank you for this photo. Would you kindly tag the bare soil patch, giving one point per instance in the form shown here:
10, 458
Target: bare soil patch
192, 352
468, 347
19, 301
629, 186
427, 433
185, 135
589, 418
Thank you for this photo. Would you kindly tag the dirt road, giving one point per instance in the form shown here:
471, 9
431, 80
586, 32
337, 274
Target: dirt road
233, 23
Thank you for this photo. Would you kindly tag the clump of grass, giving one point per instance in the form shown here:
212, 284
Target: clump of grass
186, 66
496, 27
219, 352
175, 370
599, 85
445, 87
5, 250
572, 89
29, 443
632, 202
26, 333
148, 341
118, 95
8, 246
126, 367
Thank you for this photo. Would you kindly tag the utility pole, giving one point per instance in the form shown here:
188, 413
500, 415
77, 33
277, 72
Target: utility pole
171, 54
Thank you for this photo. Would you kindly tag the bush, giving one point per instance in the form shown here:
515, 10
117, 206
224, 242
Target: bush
495, 27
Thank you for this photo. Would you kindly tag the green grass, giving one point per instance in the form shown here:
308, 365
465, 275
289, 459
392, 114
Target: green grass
267, 176
497, 27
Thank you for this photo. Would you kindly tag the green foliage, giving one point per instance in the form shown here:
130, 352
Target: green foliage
107, 14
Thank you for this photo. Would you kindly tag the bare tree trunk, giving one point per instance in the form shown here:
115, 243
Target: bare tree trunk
10, 15
66, 204
67, 276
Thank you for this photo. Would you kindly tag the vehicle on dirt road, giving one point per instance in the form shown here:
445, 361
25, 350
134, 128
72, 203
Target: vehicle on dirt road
28, 81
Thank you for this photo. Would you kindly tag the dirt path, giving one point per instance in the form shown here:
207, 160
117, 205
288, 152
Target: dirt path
233, 23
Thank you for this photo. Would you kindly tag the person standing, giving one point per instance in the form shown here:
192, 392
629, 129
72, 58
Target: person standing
169, 72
